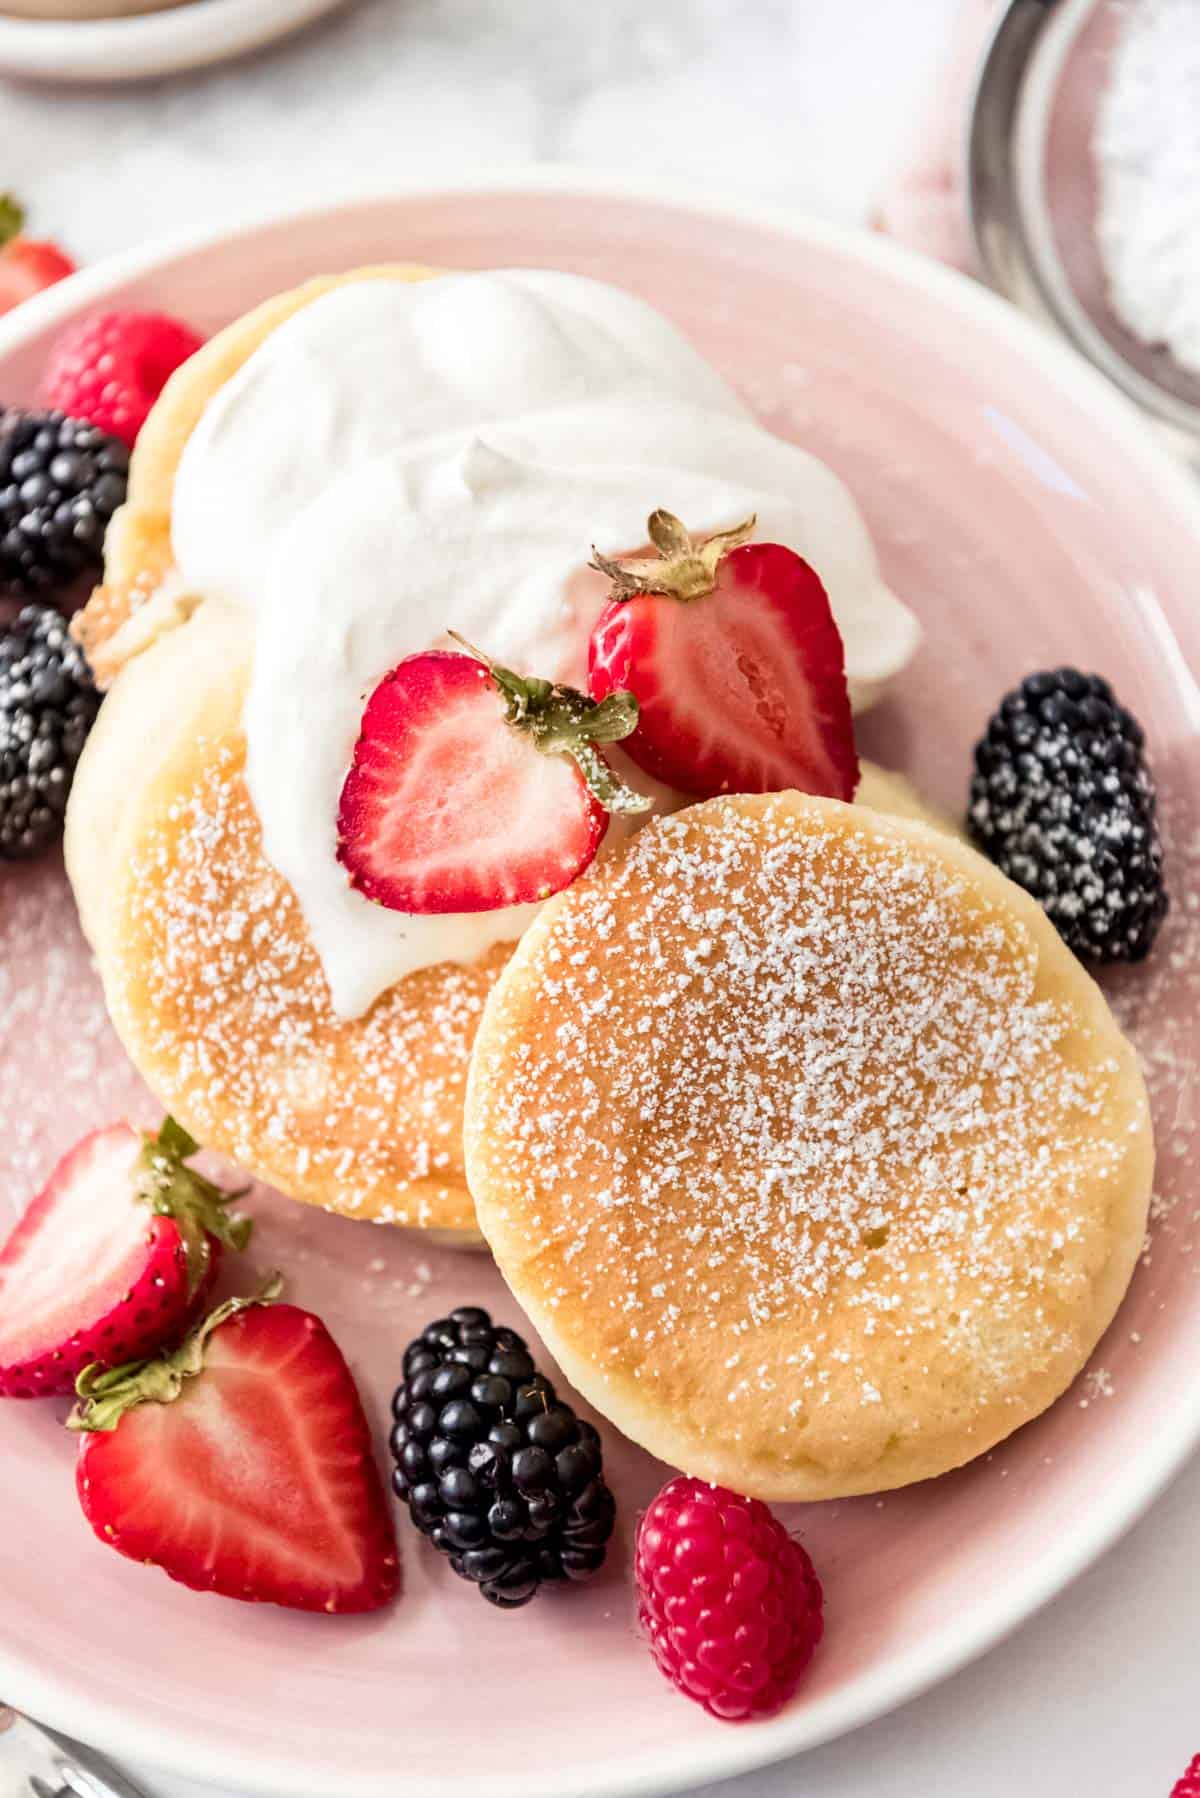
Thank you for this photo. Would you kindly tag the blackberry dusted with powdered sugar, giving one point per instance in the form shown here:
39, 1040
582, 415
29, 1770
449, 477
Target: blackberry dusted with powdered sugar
48, 703
1063, 802
61, 480
494, 1467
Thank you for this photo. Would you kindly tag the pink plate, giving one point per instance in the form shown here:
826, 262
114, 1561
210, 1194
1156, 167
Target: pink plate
1027, 516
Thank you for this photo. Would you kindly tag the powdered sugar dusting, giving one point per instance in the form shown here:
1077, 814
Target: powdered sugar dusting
63, 1071
1097, 1383
803, 1092
227, 1000
1157, 1003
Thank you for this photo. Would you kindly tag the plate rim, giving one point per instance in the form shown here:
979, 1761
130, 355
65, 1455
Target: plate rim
722, 1752
143, 46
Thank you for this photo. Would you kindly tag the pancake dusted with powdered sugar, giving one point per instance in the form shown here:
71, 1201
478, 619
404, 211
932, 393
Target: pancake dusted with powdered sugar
815, 1157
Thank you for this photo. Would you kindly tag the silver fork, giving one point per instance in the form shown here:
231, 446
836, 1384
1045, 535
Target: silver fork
56, 1766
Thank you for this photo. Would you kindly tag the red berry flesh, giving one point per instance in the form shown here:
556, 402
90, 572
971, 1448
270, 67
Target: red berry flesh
737, 665
27, 267
448, 808
252, 1476
729, 1602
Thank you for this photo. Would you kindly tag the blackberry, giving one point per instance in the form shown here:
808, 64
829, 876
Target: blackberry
495, 1469
47, 706
1063, 802
61, 480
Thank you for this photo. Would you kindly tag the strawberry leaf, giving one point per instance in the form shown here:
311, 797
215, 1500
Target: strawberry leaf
12, 217
106, 1393
198, 1208
684, 567
562, 721
174, 1140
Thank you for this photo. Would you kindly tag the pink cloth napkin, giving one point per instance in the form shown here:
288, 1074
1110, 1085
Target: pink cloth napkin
925, 203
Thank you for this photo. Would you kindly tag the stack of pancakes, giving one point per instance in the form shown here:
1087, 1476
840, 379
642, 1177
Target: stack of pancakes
813, 1154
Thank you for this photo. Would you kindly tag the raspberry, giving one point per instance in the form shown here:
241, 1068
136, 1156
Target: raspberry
1189, 1785
111, 367
730, 1603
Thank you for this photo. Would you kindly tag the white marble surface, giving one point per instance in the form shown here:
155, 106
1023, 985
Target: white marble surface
802, 101
798, 100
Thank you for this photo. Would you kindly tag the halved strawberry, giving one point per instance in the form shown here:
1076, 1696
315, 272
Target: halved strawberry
737, 665
26, 266
473, 787
115, 1257
241, 1464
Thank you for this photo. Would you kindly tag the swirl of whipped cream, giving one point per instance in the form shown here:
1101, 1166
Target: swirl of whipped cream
397, 460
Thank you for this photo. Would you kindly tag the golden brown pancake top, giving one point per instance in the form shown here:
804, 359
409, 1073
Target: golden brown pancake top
807, 1143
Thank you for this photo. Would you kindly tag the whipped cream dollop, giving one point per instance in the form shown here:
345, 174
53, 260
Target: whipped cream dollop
398, 460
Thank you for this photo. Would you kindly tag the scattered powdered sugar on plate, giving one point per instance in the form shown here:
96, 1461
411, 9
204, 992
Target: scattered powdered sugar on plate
1157, 1004
63, 1069
1097, 1382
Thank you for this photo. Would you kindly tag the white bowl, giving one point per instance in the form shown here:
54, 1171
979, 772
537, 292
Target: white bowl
146, 44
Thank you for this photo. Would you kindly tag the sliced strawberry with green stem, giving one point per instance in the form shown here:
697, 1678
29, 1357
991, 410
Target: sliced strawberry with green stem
472, 787
87, 1276
241, 1464
738, 667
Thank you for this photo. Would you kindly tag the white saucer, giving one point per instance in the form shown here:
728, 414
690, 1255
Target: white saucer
147, 44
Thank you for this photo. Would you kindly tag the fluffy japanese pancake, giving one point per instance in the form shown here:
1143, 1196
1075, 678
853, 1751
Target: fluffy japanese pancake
209, 975
814, 1156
